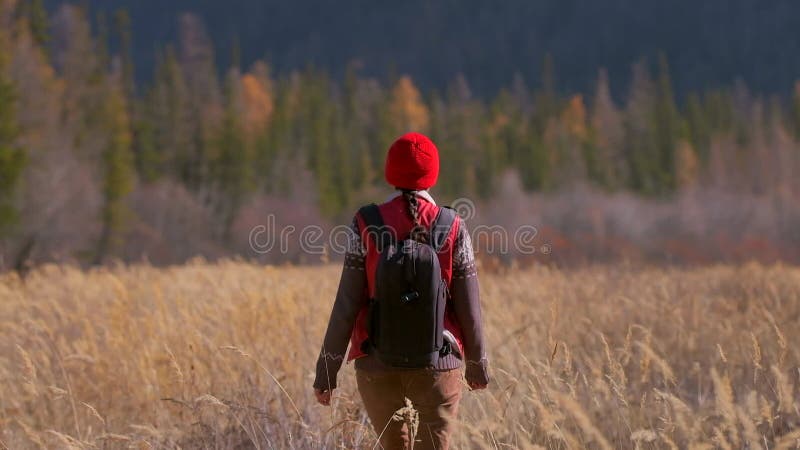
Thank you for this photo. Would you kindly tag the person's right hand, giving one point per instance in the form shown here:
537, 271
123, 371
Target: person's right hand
323, 396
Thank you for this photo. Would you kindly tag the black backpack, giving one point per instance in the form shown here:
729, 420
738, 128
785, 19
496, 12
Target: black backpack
405, 323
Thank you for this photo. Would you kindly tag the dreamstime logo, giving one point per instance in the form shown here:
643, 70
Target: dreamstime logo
465, 208
316, 240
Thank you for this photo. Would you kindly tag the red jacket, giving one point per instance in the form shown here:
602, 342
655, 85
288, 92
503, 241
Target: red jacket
395, 216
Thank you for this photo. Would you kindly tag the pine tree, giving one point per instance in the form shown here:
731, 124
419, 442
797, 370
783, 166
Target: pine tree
343, 158
317, 119
573, 159
536, 174
460, 145
232, 169
537, 158
698, 127
117, 171
102, 45
641, 146
12, 156
496, 142
166, 141
357, 126
275, 142
545, 100
148, 158
35, 15
197, 61
122, 25
668, 130
84, 75
386, 131
718, 107
526, 151
607, 138
742, 109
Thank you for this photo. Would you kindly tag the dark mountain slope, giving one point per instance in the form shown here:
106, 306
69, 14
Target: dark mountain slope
707, 42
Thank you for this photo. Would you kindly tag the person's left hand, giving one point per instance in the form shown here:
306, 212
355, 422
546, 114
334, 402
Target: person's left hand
477, 374
323, 397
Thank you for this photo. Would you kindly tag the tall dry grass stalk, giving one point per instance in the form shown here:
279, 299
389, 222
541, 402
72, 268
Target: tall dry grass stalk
221, 356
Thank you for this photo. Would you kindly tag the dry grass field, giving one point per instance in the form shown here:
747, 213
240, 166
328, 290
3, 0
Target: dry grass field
221, 356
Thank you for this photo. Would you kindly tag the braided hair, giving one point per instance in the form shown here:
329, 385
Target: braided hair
418, 232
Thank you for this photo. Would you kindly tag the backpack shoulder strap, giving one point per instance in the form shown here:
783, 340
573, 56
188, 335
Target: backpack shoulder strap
375, 227
440, 229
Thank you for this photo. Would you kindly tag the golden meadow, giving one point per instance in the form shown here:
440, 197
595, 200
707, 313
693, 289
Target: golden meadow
221, 356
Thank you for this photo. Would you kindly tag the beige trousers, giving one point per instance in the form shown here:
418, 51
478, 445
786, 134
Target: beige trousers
434, 394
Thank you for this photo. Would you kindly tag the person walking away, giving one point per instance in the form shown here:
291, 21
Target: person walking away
408, 303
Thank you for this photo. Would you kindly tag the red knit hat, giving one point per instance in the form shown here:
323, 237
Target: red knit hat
412, 162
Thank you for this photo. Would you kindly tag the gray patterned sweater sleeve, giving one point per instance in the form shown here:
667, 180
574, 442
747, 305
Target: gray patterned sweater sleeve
463, 254
350, 297
467, 307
